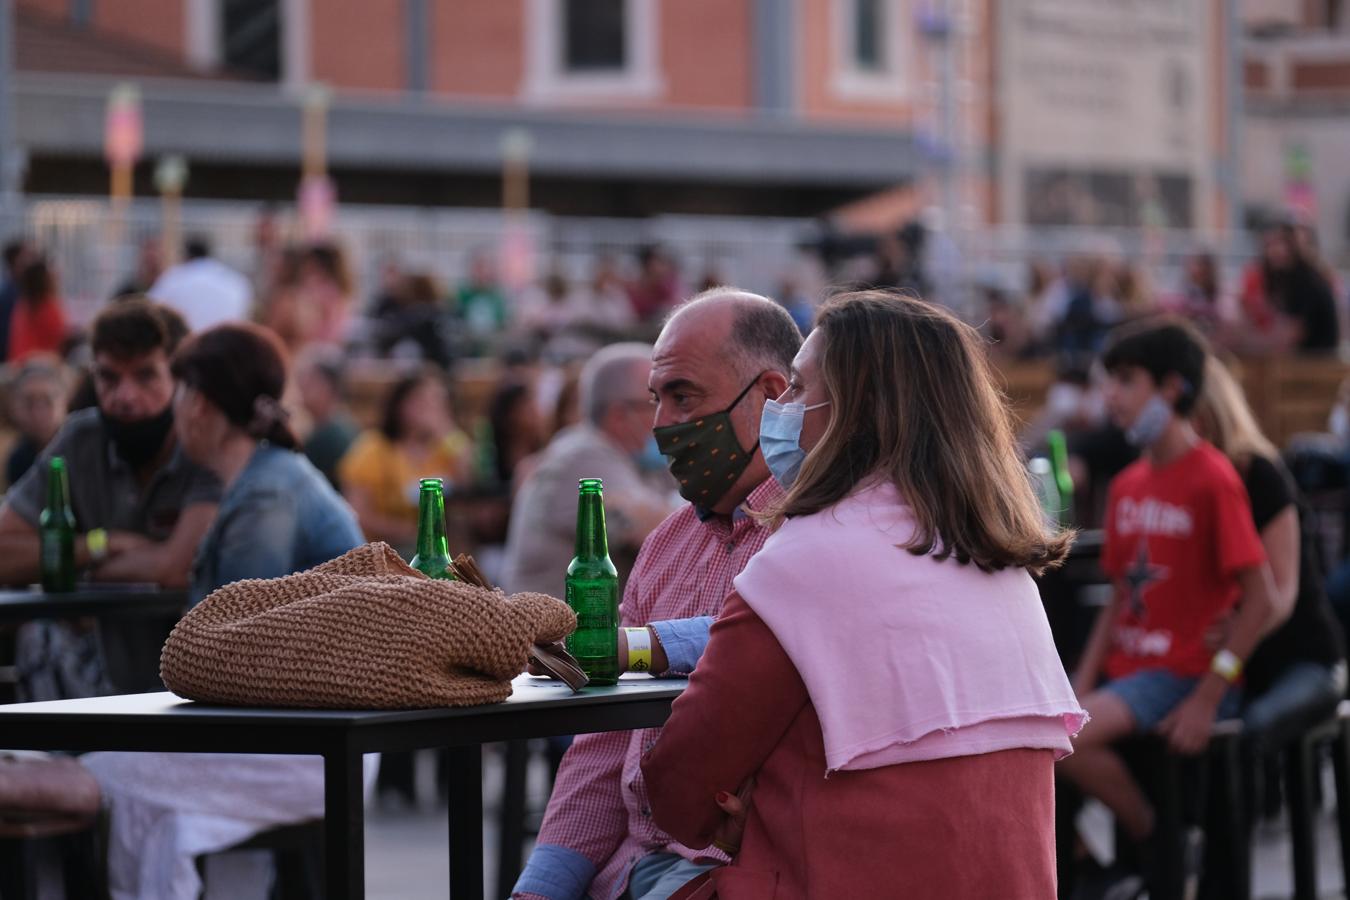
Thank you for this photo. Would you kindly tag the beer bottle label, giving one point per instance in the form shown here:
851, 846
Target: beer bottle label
51, 552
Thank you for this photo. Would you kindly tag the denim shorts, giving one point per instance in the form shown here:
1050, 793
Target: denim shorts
1151, 694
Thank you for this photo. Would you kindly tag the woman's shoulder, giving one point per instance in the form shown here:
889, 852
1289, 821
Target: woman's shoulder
276, 469
870, 518
287, 478
874, 506
1262, 470
268, 471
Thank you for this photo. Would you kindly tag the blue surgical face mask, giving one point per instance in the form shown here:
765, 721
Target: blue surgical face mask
1150, 424
649, 458
780, 433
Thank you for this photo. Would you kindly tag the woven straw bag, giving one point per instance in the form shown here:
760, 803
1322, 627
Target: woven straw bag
365, 631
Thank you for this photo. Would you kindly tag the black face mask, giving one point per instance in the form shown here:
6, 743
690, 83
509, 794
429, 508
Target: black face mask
138, 442
704, 455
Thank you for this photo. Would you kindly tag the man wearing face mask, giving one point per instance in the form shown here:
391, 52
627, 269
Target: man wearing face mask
1182, 550
140, 506
609, 442
719, 359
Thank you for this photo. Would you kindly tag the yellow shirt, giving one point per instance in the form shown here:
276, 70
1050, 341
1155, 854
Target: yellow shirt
379, 466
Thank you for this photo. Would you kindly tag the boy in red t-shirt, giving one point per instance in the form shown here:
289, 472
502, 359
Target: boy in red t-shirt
1181, 549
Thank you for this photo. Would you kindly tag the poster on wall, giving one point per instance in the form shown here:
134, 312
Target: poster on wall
1108, 110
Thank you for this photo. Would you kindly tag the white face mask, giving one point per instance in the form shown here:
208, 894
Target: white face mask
1150, 424
780, 433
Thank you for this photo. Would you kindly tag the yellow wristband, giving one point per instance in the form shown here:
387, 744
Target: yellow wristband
96, 539
639, 649
1226, 665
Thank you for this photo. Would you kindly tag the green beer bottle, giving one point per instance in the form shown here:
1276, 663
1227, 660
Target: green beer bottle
1047, 491
485, 454
593, 590
433, 553
56, 531
1059, 465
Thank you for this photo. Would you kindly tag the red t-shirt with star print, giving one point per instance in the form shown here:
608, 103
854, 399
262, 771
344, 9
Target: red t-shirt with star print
1177, 537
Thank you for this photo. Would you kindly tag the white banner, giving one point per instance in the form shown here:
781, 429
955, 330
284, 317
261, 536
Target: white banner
1108, 111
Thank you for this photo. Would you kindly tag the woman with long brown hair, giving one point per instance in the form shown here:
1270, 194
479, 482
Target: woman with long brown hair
882, 687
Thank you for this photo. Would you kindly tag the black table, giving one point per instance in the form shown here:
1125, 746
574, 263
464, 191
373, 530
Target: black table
165, 722
133, 620
23, 605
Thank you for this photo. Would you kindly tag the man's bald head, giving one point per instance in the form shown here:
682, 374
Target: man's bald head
724, 350
750, 332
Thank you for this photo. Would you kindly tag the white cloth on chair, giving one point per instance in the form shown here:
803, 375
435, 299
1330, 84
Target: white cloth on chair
170, 808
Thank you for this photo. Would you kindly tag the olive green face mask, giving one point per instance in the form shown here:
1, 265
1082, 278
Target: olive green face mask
704, 455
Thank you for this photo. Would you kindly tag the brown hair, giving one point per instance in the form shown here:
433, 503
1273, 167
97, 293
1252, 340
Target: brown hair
391, 422
135, 326
913, 401
241, 369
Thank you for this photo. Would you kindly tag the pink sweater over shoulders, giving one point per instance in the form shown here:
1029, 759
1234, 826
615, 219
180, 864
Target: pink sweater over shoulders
906, 657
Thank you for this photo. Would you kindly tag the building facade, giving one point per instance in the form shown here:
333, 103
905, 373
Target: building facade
1297, 127
784, 107
1017, 113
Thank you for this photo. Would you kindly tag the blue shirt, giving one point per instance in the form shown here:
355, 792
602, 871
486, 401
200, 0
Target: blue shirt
280, 516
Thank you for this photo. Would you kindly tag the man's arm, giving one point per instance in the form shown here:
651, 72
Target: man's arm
585, 823
1281, 539
166, 563
1188, 727
677, 645
19, 548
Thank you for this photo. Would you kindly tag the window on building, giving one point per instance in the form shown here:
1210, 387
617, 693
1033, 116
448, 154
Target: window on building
869, 40
593, 35
593, 50
869, 32
250, 36
1336, 19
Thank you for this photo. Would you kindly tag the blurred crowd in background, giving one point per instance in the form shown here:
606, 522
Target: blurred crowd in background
408, 348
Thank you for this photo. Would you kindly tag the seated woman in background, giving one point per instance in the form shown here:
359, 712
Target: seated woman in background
1297, 674
884, 674
417, 439
278, 515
